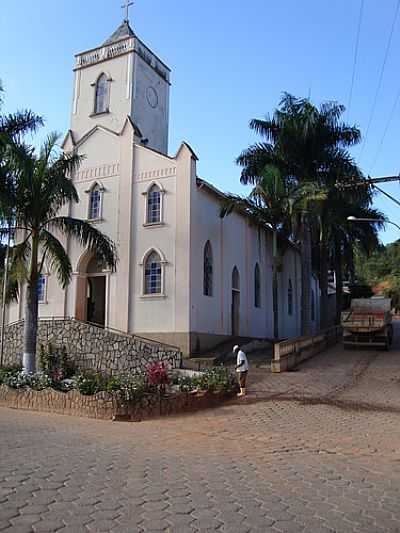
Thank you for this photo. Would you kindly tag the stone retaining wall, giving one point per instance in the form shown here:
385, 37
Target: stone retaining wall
106, 406
92, 348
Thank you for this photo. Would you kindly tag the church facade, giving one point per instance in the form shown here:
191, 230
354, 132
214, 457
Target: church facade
185, 276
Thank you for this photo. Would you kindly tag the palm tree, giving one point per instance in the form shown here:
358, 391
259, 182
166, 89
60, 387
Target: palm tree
13, 127
41, 187
308, 145
275, 204
344, 236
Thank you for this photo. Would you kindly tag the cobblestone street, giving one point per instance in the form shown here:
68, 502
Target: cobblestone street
315, 450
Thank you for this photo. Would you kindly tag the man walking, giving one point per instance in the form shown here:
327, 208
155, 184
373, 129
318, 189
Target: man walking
242, 368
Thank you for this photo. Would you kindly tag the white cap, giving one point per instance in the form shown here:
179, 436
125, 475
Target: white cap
235, 348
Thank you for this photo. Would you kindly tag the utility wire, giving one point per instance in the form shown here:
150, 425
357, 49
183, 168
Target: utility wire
389, 43
353, 77
388, 123
386, 194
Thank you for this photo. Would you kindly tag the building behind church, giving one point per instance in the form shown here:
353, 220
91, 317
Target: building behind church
185, 276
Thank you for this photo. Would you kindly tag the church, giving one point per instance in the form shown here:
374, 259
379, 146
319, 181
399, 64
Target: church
185, 276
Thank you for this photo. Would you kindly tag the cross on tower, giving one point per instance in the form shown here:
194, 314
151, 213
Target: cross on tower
126, 6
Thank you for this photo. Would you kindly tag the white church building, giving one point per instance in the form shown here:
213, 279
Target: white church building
185, 276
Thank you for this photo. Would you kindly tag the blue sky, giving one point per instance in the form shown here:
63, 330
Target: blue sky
230, 62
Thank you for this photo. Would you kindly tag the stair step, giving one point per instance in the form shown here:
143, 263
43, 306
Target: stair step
198, 363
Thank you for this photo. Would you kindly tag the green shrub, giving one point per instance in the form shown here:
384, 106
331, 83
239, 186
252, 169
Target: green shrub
8, 371
18, 380
214, 379
218, 379
187, 383
89, 383
132, 387
38, 381
113, 384
54, 362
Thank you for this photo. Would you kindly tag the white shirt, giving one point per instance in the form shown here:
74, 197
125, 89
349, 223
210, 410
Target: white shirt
241, 357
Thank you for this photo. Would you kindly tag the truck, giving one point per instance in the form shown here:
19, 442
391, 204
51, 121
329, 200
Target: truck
368, 322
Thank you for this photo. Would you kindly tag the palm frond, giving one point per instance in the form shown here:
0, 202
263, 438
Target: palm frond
19, 259
57, 257
17, 124
89, 237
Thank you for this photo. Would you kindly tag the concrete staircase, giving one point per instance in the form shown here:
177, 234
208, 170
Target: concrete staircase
222, 353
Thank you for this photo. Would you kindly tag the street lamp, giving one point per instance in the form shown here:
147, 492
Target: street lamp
373, 220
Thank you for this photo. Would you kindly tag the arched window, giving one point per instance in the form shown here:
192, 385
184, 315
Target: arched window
290, 298
235, 279
41, 288
94, 203
235, 303
102, 96
153, 205
257, 286
152, 274
312, 305
208, 270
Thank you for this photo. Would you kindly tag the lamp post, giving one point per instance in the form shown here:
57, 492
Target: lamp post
372, 220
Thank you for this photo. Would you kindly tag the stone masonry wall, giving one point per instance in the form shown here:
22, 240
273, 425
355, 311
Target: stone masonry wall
91, 347
107, 406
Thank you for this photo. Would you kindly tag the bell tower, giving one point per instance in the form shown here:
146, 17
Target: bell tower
122, 78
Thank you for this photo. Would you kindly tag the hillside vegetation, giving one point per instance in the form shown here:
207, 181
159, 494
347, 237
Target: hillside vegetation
381, 270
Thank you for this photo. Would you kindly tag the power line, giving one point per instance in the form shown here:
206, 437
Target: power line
389, 43
388, 123
355, 57
366, 182
371, 182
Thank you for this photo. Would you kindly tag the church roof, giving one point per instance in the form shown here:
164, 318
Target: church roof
123, 31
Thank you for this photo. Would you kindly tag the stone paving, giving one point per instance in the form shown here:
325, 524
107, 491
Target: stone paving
316, 450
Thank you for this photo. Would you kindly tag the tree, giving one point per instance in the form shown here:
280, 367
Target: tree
309, 146
275, 204
41, 187
13, 127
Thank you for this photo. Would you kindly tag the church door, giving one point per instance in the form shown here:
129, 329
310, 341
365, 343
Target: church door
95, 306
91, 291
235, 311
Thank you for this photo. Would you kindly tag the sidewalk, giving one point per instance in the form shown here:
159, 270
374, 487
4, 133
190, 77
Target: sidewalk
364, 378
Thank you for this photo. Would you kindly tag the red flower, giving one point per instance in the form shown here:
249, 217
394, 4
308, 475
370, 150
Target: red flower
157, 374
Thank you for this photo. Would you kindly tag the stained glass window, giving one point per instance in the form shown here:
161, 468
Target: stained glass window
152, 275
290, 298
101, 100
41, 288
257, 286
208, 270
312, 305
94, 203
154, 205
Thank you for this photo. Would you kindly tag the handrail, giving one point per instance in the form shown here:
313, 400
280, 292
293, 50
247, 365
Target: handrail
103, 328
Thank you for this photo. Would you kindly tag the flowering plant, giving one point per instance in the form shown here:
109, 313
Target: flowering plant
37, 381
131, 387
57, 375
157, 375
89, 384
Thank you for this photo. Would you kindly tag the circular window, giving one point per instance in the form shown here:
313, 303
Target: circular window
152, 97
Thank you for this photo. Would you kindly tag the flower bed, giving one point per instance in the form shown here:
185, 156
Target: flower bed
130, 397
106, 405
